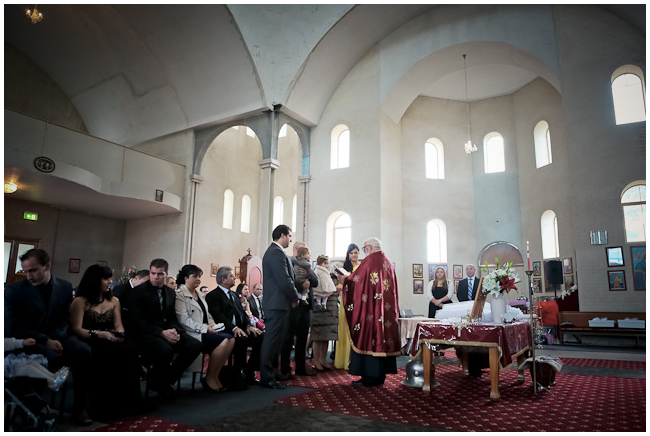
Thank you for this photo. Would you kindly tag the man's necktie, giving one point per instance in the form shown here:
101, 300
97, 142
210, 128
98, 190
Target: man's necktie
234, 301
259, 307
470, 287
160, 299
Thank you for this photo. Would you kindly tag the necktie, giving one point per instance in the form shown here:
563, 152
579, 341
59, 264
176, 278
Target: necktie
234, 302
259, 307
470, 287
160, 299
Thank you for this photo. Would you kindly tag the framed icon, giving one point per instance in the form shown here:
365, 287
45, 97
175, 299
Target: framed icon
418, 286
458, 272
159, 195
638, 267
615, 256
537, 285
567, 266
537, 269
74, 266
418, 270
616, 280
214, 267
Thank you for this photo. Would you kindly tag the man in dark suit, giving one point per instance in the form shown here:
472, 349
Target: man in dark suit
38, 307
123, 292
468, 287
225, 307
158, 333
255, 302
280, 296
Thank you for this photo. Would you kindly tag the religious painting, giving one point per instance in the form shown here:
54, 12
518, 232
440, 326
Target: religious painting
418, 271
458, 272
214, 267
537, 286
615, 256
567, 266
237, 271
74, 266
418, 286
568, 281
616, 280
638, 267
159, 195
433, 267
537, 269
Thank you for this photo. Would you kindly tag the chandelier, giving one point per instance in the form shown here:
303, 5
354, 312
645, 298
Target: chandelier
469, 147
10, 187
34, 15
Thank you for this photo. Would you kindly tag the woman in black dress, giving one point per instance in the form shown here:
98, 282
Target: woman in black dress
95, 317
439, 290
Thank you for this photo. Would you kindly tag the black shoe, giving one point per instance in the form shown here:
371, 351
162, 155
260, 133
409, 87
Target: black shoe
252, 381
357, 383
165, 391
305, 372
272, 385
82, 418
285, 377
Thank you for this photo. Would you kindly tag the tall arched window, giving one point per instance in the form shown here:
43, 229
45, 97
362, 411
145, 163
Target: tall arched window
550, 240
434, 157
494, 153
542, 134
294, 212
278, 211
283, 131
246, 214
228, 205
628, 92
340, 155
437, 241
633, 203
338, 234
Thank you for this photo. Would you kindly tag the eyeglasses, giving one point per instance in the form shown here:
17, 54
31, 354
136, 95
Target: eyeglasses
367, 248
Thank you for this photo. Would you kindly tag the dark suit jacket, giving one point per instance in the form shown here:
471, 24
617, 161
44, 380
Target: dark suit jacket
277, 274
253, 305
461, 292
222, 310
146, 316
122, 292
27, 317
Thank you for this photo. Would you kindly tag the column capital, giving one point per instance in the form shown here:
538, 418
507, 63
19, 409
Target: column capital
304, 178
196, 178
269, 163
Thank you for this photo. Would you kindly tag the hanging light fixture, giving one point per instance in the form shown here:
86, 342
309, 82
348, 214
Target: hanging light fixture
34, 15
469, 147
10, 187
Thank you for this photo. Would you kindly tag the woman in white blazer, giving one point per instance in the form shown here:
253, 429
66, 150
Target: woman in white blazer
192, 313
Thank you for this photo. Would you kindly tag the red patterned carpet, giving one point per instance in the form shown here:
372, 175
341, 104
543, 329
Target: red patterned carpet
576, 403
598, 363
146, 423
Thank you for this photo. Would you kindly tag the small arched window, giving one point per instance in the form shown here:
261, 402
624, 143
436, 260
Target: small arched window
278, 211
550, 239
628, 92
340, 155
542, 134
494, 153
228, 208
437, 241
434, 157
633, 203
338, 231
246, 214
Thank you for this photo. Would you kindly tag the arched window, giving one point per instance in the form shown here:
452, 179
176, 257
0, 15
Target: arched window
550, 240
228, 205
434, 157
633, 203
294, 212
340, 156
338, 234
437, 241
250, 132
542, 134
278, 211
494, 153
283, 131
246, 214
628, 92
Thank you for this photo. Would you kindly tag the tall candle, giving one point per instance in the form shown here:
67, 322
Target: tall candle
528, 253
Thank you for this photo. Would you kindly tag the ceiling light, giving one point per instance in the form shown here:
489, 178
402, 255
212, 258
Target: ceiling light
469, 147
34, 15
10, 187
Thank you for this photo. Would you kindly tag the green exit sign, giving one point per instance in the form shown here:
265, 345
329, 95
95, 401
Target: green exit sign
30, 216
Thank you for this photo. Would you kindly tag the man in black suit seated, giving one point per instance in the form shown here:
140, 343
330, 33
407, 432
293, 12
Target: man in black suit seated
38, 307
157, 331
255, 302
225, 307
124, 291
468, 287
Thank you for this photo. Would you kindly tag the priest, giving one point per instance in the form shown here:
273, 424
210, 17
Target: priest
372, 311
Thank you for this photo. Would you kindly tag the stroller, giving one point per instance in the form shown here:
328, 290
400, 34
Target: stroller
25, 409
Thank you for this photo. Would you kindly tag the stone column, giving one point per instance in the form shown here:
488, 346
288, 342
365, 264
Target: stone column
195, 180
267, 189
302, 206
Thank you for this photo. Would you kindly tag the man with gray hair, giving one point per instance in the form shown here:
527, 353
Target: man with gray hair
468, 287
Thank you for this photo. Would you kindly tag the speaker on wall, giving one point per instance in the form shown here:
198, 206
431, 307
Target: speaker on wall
554, 272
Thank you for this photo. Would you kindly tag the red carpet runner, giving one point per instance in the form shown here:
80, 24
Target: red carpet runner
576, 403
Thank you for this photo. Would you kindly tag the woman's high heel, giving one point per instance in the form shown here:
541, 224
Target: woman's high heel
207, 388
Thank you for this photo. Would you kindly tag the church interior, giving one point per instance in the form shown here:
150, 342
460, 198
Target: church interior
456, 134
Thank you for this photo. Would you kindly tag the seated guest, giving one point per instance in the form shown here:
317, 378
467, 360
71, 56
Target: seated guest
440, 291
38, 308
95, 318
255, 301
123, 291
225, 307
193, 315
158, 334
243, 292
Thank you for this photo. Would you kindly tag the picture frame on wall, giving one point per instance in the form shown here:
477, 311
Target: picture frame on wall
102, 263
418, 286
537, 285
615, 256
74, 266
434, 266
568, 281
237, 271
616, 280
458, 272
456, 284
638, 267
567, 266
214, 267
418, 270
537, 269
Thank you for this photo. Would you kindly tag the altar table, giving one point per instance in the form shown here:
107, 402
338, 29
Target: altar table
503, 341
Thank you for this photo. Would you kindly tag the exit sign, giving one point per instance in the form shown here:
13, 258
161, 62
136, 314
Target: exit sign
31, 216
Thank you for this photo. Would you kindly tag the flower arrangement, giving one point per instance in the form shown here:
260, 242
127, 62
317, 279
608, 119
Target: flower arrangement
500, 280
127, 274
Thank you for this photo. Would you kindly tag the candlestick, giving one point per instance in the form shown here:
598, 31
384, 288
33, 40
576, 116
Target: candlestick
528, 253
